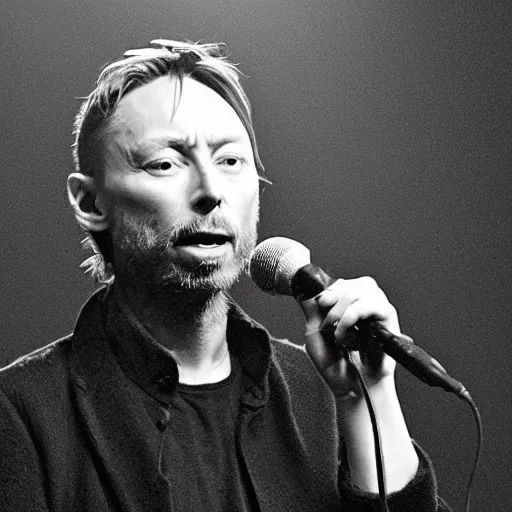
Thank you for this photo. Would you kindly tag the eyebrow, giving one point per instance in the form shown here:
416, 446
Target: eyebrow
180, 143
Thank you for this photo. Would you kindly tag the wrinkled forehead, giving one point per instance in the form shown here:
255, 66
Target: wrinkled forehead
189, 106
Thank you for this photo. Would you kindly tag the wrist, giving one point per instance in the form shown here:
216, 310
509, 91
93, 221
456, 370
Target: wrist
400, 459
381, 392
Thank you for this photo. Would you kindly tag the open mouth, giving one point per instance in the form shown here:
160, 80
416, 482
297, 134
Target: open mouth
205, 240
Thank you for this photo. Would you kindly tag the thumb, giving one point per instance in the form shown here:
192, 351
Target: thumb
312, 313
321, 353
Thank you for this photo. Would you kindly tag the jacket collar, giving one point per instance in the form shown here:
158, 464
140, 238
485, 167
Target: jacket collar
105, 349
152, 368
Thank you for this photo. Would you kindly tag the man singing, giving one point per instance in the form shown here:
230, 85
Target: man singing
167, 397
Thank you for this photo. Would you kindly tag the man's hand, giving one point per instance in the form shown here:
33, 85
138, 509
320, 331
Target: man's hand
343, 304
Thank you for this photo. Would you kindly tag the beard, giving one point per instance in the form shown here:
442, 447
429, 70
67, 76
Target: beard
144, 256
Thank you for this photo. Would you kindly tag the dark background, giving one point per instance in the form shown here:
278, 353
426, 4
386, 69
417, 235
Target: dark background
386, 128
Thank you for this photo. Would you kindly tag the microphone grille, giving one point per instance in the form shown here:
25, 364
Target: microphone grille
275, 261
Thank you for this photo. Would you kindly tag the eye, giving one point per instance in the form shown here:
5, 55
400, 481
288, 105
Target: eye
164, 166
161, 166
231, 163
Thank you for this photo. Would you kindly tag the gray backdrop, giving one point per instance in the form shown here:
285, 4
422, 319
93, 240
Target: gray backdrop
385, 127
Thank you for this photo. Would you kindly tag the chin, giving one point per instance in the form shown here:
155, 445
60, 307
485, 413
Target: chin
206, 278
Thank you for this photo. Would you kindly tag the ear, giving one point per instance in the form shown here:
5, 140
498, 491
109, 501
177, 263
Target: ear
82, 197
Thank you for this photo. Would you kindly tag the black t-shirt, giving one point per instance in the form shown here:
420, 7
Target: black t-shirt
200, 454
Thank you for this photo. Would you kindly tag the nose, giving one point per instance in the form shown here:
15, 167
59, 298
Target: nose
208, 194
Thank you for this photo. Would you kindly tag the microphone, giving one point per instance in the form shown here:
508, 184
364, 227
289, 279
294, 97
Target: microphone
283, 266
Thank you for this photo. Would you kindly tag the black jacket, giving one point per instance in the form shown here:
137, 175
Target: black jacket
74, 437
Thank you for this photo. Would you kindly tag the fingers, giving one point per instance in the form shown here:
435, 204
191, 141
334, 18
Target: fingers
349, 301
343, 292
327, 298
343, 305
313, 315
323, 354
362, 309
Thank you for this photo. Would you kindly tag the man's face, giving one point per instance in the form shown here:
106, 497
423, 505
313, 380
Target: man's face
180, 188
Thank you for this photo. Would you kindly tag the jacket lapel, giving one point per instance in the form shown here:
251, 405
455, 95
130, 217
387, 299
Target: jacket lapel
120, 431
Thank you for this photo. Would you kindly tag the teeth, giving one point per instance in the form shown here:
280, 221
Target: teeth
204, 240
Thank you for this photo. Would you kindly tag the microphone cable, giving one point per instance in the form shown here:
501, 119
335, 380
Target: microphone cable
381, 476
480, 440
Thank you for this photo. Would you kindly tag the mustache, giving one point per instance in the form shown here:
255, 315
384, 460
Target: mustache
207, 224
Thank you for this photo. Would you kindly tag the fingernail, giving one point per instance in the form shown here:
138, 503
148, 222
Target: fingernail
327, 296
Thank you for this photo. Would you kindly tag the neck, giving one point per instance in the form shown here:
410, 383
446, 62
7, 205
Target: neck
191, 326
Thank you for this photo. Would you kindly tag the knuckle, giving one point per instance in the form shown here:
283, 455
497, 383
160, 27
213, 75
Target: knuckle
334, 287
369, 282
349, 319
331, 319
392, 311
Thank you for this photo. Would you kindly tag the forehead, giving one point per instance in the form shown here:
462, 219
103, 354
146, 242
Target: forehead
191, 109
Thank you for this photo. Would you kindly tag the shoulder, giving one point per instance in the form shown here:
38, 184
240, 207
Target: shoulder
41, 372
289, 352
47, 369
297, 366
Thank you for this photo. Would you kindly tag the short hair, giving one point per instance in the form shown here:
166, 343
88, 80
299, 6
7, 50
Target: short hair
205, 63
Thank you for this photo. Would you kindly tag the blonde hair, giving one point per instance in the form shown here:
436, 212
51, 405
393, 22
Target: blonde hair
205, 63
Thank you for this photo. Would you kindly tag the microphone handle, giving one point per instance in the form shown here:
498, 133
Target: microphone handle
311, 280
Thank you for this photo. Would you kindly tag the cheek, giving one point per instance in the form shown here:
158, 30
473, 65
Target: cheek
248, 206
127, 188
136, 194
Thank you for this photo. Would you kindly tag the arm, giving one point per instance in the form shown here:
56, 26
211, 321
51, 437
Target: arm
21, 480
399, 456
345, 303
